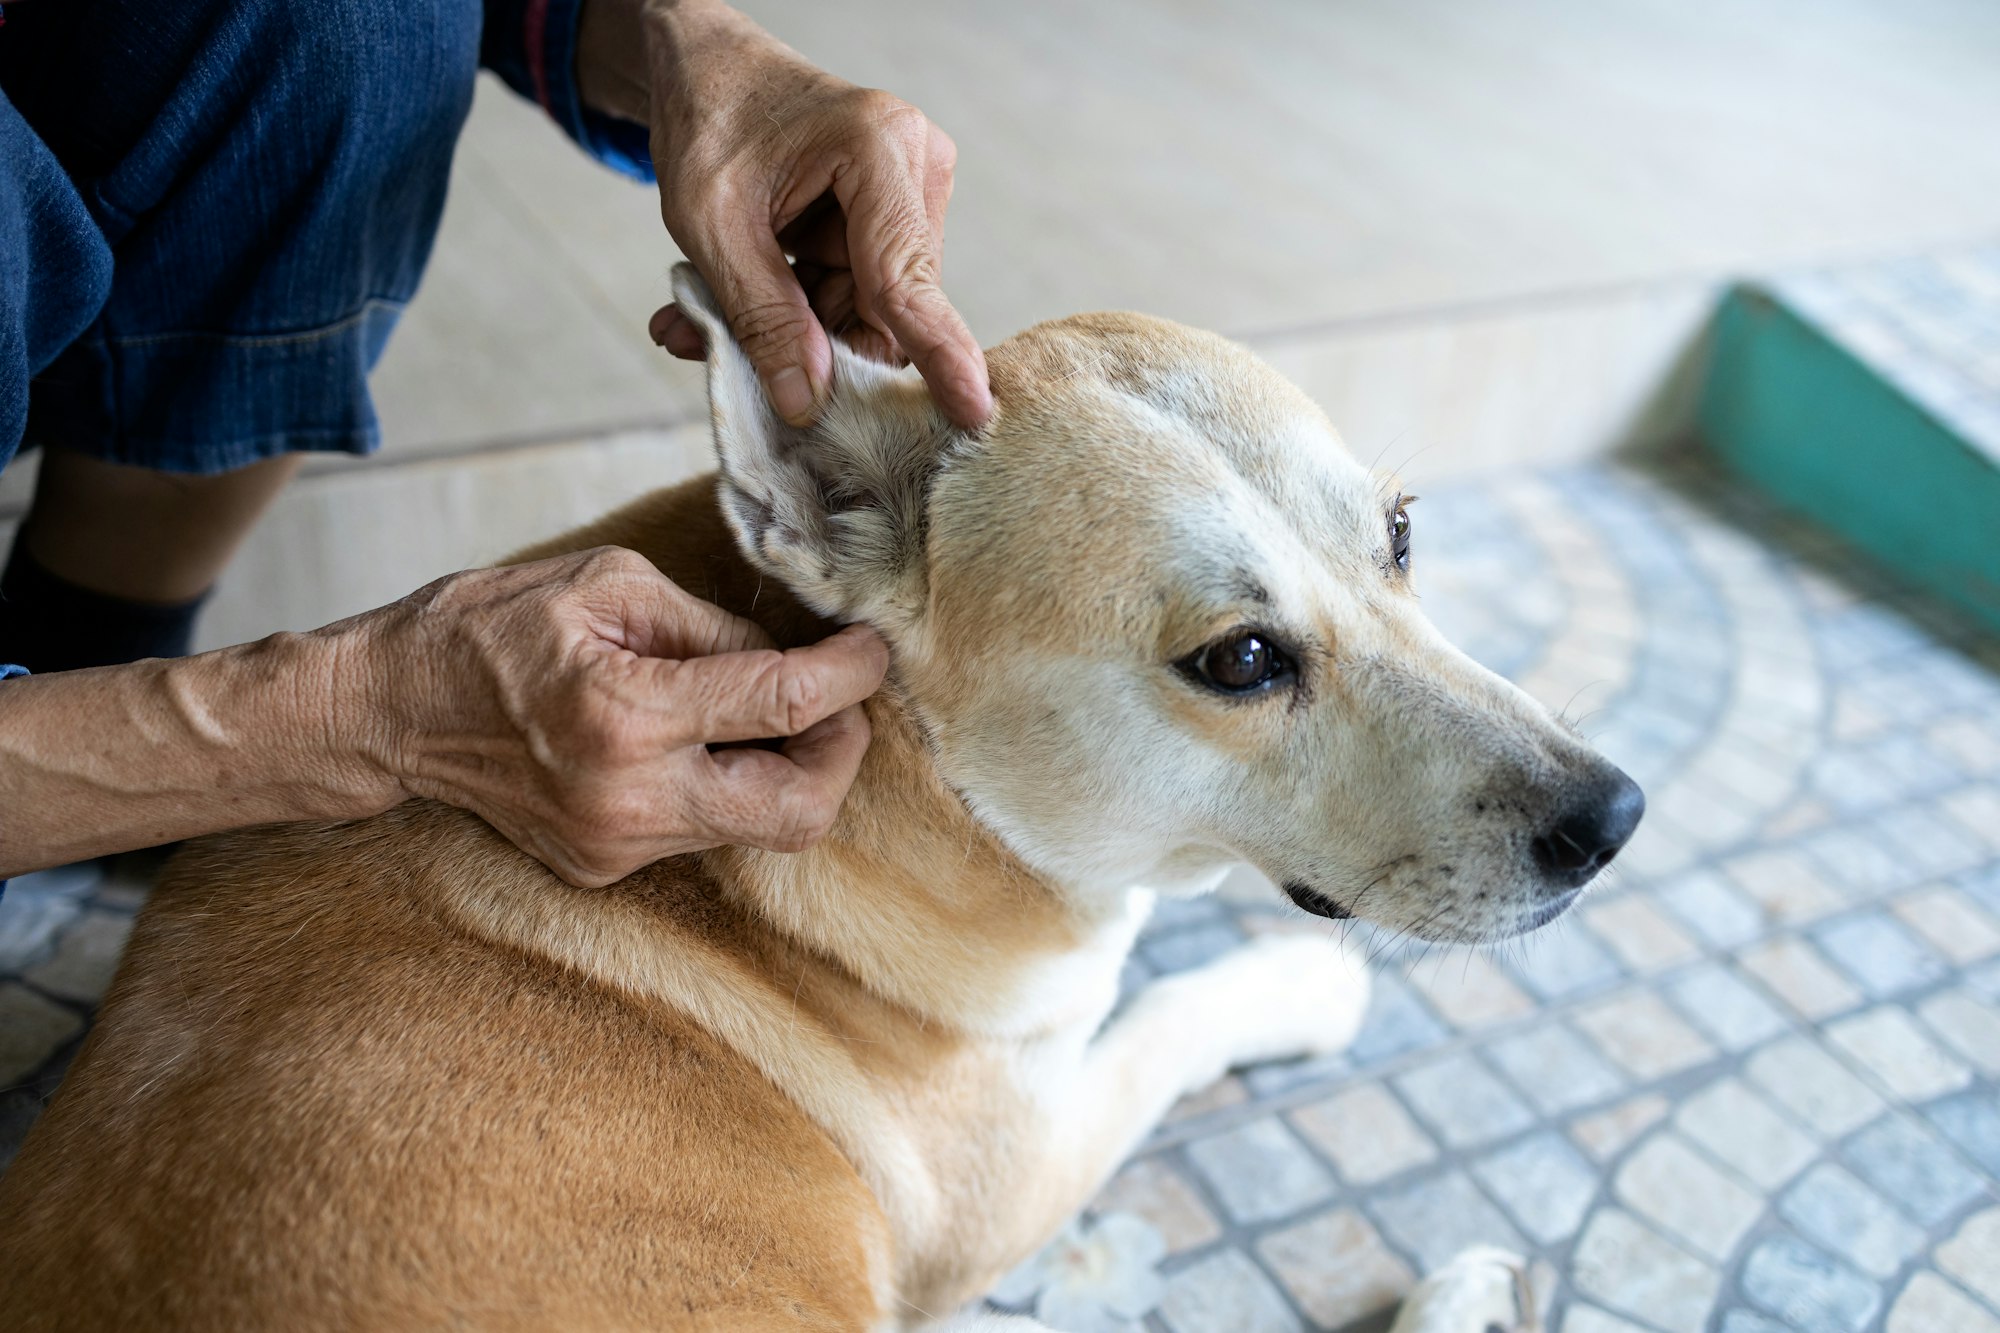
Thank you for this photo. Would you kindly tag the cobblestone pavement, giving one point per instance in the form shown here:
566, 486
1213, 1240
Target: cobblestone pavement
1751, 1083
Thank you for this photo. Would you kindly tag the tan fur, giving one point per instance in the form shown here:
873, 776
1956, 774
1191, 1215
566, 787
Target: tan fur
320, 1096
395, 1075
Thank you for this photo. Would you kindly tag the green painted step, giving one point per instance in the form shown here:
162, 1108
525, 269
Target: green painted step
1869, 398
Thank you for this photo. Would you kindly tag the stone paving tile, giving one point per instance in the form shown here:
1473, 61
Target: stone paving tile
1462, 1102
1784, 884
1744, 1321
29, 925
1336, 1267
1397, 1023
1890, 1044
1880, 954
1589, 1319
1225, 1292
1950, 923
1725, 1008
1812, 1085
1672, 1186
1929, 1304
31, 1028
1971, 1120
85, 957
1269, 1080
1912, 1167
1555, 1070
1984, 886
1179, 950
1259, 1171
1470, 992
1794, 971
1150, 1189
1606, 1134
1713, 908
1834, 1210
1216, 1096
1641, 935
1968, 1025
1643, 1036
1745, 1133
1366, 1133
1972, 1256
1626, 1266
1807, 1288
1977, 811
1564, 963
1436, 1218
1932, 843
1543, 1182
1973, 743
1852, 857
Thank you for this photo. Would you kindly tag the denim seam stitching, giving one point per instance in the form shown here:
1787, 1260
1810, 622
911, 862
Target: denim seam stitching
255, 340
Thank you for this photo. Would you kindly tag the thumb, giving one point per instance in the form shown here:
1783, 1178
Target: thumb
772, 320
747, 696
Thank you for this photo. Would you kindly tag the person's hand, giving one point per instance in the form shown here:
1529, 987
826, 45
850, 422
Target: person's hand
571, 703
761, 155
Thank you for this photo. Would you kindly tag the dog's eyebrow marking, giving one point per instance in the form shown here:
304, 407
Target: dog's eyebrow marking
1246, 587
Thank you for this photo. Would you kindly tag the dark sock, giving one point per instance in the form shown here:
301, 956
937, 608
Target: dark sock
48, 623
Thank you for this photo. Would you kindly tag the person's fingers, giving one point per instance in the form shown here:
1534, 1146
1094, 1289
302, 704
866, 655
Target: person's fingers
896, 287
940, 166
770, 316
818, 236
630, 605
785, 801
749, 696
678, 334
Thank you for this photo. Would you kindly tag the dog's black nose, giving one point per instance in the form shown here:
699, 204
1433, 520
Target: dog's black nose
1586, 836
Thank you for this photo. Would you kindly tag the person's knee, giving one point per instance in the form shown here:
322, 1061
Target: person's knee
381, 87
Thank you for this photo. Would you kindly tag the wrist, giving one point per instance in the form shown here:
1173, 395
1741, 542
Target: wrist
345, 682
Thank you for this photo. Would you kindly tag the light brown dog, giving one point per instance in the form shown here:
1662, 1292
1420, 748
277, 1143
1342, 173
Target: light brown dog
1153, 621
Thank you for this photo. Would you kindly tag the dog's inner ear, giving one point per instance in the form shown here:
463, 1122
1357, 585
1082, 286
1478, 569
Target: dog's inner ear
835, 510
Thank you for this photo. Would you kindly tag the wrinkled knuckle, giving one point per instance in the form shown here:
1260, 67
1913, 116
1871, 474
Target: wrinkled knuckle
906, 300
800, 702
880, 107
764, 328
944, 151
612, 564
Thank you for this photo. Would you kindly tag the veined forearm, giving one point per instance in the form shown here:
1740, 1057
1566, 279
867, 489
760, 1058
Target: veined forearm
100, 761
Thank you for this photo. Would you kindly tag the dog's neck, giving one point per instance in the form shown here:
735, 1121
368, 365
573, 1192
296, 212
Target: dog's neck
910, 891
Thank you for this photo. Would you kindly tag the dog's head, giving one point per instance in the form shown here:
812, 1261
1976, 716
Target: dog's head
1155, 619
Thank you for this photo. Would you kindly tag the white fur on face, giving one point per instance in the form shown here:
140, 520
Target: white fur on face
1145, 490
1397, 780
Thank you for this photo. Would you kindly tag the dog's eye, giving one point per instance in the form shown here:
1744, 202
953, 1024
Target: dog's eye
1399, 538
1241, 662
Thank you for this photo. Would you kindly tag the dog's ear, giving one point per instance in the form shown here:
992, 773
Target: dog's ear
835, 511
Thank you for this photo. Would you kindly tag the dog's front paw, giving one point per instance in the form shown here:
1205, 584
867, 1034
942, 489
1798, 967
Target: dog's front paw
1285, 996
1482, 1290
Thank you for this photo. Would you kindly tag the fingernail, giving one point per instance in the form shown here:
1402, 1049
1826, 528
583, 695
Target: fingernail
792, 395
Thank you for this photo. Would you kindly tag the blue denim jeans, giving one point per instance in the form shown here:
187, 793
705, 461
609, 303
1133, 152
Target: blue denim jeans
213, 211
